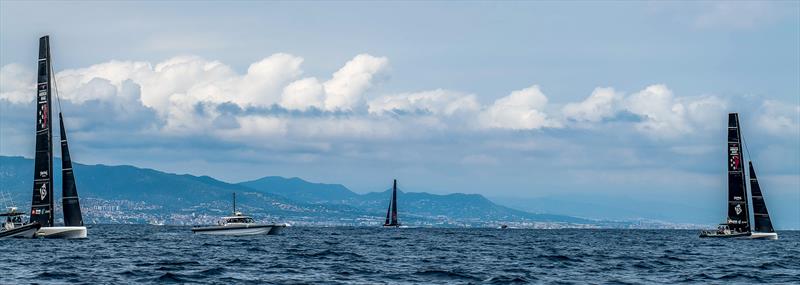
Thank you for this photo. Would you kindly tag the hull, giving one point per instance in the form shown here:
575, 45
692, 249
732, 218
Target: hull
62, 232
752, 235
719, 235
26, 231
239, 230
768, 236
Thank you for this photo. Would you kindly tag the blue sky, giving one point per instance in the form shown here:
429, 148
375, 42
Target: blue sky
582, 101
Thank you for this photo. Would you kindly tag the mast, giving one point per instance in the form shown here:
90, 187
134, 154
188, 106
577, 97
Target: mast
761, 219
42, 200
69, 192
737, 190
394, 203
234, 203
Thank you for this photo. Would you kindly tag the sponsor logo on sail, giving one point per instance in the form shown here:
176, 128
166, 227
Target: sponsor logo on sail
43, 173
738, 209
43, 191
43, 116
735, 161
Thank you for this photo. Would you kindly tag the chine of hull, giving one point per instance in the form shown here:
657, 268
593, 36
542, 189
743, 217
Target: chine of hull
26, 231
239, 230
62, 232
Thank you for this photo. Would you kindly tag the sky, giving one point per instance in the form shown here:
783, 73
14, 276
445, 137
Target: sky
623, 102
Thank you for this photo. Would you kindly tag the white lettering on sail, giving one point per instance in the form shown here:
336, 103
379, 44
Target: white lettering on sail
43, 173
738, 209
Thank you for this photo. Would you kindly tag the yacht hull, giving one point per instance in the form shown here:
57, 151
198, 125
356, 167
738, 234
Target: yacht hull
768, 236
752, 235
62, 232
26, 231
239, 230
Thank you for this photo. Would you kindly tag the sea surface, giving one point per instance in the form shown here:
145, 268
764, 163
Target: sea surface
123, 254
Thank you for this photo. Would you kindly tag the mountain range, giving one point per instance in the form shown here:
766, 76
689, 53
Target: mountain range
131, 194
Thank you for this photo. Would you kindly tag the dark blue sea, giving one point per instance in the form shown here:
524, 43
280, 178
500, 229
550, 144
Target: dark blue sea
123, 254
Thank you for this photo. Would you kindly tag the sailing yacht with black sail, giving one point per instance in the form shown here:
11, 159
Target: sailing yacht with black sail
738, 222
42, 206
391, 212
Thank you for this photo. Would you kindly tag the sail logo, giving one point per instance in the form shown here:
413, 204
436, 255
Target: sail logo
738, 209
735, 161
43, 173
43, 117
42, 191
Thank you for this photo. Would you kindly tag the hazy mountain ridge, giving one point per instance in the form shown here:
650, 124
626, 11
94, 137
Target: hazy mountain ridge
286, 198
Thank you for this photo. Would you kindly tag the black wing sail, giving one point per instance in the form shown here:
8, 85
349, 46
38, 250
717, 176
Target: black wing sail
42, 201
394, 204
737, 192
388, 212
761, 219
69, 194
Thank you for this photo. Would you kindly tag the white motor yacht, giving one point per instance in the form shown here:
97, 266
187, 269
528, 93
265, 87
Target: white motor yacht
239, 225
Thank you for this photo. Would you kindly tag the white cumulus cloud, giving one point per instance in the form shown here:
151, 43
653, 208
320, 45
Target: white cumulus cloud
604, 102
345, 90
521, 110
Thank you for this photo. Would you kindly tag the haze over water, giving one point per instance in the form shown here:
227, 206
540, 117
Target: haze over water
146, 254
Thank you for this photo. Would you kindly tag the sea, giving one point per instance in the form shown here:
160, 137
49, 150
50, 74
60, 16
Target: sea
131, 254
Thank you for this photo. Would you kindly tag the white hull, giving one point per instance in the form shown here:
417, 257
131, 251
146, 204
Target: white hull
62, 232
769, 236
239, 230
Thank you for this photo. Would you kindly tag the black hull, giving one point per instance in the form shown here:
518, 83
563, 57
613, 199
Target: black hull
715, 235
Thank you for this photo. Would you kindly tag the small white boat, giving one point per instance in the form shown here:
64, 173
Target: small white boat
14, 227
239, 225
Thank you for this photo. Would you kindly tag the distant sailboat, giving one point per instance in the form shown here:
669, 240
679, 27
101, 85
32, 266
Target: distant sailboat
42, 205
737, 224
391, 212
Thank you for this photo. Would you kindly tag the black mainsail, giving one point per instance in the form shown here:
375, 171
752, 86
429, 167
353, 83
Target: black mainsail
42, 201
69, 192
738, 212
761, 219
391, 213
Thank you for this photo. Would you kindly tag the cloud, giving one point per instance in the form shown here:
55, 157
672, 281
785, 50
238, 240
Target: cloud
345, 90
273, 106
17, 84
736, 14
521, 110
303, 94
603, 103
779, 119
436, 102
665, 116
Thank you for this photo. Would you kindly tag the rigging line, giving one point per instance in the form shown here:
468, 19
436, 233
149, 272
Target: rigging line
744, 142
55, 83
